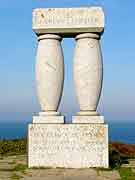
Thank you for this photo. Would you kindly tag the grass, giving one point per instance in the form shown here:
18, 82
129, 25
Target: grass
41, 167
15, 177
13, 154
12, 163
102, 169
126, 174
6, 170
20, 167
13, 147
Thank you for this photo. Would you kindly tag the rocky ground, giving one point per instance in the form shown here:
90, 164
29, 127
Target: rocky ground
15, 168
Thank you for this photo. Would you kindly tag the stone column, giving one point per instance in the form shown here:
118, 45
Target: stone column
49, 77
88, 76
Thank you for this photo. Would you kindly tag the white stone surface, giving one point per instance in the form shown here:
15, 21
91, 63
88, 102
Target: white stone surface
88, 71
51, 143
88, 119
49, 72
49, 119
87, 113
68, 21
49, 113
68, 145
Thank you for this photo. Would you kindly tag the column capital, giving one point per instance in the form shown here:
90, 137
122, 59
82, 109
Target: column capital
88, 35
49, 36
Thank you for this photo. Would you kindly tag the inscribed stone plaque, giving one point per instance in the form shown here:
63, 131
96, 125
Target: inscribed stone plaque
68, 21
68, 145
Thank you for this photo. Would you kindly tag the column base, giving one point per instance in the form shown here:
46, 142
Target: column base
45, 118
49, 113
88, 113
68, 145
88, 119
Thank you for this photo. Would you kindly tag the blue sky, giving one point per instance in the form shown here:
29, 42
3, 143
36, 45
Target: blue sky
18, 100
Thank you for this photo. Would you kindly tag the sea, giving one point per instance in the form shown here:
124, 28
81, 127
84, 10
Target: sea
118, 131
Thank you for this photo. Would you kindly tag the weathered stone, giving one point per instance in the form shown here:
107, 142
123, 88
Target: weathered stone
88, 119
88, 71
85, 142
68, 21
110, 174
49, 72
49, 119
68, 145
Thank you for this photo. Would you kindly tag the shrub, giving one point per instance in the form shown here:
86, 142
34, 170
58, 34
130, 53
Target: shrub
13, 146
114, 159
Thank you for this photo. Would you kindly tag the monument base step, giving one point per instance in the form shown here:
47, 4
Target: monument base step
68, 145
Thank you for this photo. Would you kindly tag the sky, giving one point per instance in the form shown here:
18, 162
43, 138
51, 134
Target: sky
18, 43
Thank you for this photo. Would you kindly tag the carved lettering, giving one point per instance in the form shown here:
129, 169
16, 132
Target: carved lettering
68, 18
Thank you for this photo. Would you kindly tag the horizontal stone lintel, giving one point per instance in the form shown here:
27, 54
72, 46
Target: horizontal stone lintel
68, 21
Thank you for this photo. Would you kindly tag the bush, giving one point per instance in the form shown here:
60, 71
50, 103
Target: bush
114, 159
13, 146
120, 153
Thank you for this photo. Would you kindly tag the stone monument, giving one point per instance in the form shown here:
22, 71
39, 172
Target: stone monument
51, 142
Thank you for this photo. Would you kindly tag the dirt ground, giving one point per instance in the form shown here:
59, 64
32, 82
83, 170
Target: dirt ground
15, 168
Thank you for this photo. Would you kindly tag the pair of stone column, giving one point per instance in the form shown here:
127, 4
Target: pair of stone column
50, 75
84, 143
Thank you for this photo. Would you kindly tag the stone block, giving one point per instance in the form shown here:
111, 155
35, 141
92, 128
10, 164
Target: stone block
88, 119
68, 21
68, 145
48, 119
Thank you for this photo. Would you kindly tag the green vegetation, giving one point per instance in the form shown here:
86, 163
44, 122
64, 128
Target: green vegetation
20, 167
126, 174
15, 176
13, 147
120, 153
41, 167
114, 158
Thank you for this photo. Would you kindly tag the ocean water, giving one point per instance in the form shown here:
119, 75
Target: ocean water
121, 132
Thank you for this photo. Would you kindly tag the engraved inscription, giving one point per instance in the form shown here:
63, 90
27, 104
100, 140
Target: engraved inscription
60, 144
65, 17
69, 18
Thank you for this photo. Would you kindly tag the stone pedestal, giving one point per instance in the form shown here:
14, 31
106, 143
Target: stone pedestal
68, 145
